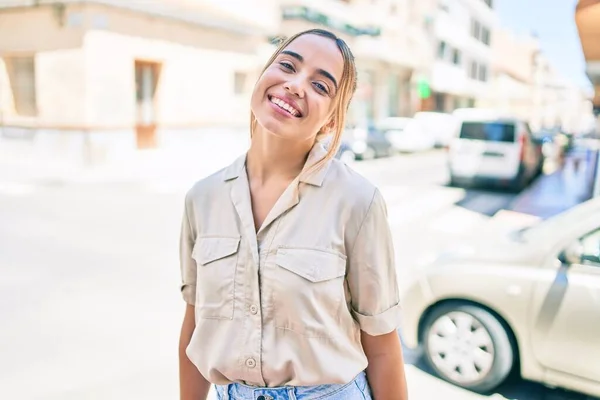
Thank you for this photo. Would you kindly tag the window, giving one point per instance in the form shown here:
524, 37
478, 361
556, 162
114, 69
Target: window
21, 74
473, 71
441, 54
239, 83
475, 29
146, 83
590, 246
483, 73
456, 57
480, 32
488, 131
485, 36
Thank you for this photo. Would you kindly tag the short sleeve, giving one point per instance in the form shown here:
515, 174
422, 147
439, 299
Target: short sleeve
372, 277
187, 263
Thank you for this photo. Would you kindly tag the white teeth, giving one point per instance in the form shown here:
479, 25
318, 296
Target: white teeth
285, 106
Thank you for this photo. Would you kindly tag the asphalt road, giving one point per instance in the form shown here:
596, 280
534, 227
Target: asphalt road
89, 298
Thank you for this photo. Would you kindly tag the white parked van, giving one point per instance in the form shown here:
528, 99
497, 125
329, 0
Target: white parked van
489, 147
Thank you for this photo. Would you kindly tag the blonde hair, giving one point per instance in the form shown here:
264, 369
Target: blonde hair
342, 99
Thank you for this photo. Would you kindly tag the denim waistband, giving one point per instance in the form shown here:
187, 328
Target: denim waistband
236, 391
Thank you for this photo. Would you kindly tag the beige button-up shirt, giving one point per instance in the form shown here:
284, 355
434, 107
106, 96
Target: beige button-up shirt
285, 305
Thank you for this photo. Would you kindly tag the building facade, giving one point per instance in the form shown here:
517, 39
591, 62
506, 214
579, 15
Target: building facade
512, 74
113, 66
461, 72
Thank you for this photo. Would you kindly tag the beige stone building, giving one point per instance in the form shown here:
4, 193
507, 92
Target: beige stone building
131, 70
111, 75
512, 73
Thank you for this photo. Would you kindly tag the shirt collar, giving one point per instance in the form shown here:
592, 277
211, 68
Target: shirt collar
314, 178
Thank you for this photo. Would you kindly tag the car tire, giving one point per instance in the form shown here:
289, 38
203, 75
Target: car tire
495, 350
452, 182
520, 181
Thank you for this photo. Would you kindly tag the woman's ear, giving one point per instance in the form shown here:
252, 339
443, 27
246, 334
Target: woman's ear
328, 127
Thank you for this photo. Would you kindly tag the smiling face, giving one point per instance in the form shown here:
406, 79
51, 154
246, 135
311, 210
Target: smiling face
295, 96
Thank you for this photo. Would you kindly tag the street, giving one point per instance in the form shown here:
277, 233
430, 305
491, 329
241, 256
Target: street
89, 288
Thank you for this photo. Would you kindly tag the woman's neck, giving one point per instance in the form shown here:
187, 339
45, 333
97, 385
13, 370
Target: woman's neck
271, 157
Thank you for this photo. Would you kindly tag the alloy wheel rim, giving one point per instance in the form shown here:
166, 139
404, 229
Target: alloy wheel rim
460, 347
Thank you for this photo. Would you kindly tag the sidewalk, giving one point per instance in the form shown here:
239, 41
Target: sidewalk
570, 185
201, 154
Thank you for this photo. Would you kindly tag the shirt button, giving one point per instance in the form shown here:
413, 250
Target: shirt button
253, 309
250, 363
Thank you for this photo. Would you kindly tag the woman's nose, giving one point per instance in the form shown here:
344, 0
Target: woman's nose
295, 87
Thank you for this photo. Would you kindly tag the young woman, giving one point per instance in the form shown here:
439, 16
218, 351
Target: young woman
286, 255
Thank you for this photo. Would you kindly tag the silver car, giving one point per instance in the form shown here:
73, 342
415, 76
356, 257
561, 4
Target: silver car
527, 302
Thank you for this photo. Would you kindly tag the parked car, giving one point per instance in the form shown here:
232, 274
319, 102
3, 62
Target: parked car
440, 126
527, 302
393, 128
414, 138
488, 147
367, 142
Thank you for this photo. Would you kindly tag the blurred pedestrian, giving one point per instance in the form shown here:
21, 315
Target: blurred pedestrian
286, 255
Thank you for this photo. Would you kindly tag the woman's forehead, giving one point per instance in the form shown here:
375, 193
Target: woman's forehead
318, 52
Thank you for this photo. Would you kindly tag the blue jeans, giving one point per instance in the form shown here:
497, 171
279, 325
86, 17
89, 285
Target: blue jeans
358, 389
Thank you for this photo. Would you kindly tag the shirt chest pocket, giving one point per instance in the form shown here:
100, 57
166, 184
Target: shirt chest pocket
216, 259
308, 290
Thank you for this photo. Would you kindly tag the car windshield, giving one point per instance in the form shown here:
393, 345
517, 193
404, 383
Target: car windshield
488, 131
552, 225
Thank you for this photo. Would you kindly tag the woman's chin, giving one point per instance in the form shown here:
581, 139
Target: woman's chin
274, 127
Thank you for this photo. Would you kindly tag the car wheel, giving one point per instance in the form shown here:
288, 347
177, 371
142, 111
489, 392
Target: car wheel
452, 182
520, 181
467, 346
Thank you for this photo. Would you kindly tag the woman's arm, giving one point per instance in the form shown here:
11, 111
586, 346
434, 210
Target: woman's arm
192, 384
385, 371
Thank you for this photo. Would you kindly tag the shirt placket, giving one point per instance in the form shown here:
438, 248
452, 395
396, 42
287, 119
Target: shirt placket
255, 307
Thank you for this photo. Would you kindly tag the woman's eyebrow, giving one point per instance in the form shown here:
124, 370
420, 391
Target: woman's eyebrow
319, 70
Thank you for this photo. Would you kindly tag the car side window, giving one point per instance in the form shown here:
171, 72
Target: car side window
590, 244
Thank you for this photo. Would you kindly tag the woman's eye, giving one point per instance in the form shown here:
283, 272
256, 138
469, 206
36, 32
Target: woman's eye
321, 87
287, 65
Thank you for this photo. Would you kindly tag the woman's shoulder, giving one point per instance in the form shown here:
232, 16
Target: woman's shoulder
215, 183
345, 181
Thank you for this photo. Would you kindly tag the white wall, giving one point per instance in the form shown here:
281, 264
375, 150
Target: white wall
454, 28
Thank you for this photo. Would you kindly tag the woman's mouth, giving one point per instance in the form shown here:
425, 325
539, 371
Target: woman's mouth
285, 106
